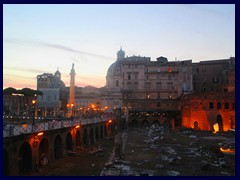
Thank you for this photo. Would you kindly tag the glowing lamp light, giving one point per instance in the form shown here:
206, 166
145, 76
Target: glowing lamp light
227, 150
77, 126
169, 69
110, 121
40, 134
216, 128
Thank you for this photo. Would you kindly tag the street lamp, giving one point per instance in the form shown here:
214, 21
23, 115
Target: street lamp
33, 109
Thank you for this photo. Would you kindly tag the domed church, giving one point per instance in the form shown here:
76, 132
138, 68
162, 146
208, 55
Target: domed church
114, 82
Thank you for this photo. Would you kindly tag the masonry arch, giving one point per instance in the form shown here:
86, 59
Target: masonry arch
101, 132
78, 139
195, 125
91, 136
156, 122
145, 123
105, 129
43, 151
134, 122
85, 137
112, 128
58, 147
69, 144
6, 170
219, 120
96, 133
25, 158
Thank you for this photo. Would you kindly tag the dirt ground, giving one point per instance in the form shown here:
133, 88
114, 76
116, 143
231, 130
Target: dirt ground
80, 164
158, 152
154, 152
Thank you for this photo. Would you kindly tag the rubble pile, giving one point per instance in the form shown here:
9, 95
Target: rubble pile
156, 151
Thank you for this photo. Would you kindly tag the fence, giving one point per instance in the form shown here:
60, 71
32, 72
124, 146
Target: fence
27, 128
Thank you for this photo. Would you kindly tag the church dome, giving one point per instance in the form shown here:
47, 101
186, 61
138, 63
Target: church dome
57, 83
114, 69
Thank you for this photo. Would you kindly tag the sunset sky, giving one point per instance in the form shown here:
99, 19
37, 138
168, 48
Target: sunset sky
41, 38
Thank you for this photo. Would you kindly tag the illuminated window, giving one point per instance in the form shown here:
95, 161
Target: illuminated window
169, 96
148, 96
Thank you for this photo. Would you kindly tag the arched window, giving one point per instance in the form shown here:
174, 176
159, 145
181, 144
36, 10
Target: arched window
211, 106
219, 105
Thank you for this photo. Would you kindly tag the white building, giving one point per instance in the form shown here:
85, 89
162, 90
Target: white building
53, 101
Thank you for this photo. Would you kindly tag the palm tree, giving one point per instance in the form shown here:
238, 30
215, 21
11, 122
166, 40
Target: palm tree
7, 100
27, 92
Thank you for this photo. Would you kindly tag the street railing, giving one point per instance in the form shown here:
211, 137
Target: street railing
18, 129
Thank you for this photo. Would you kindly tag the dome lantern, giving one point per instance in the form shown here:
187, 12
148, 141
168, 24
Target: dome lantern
120, 54
57, 74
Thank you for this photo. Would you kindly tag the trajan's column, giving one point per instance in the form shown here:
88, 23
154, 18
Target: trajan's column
72, 91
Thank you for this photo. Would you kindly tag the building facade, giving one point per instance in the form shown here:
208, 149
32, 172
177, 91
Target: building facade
213, 100
201, 111
155, 84
53, 101
214, 76
137, 83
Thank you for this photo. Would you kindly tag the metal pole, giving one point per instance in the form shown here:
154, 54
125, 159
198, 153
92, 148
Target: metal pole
33, 118
33, 121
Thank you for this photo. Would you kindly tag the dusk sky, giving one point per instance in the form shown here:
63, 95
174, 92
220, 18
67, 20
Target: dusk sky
41, 38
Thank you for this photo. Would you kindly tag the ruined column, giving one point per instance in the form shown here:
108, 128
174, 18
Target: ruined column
118, 140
